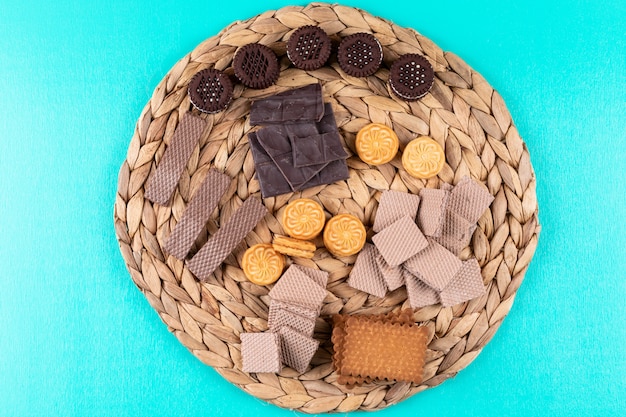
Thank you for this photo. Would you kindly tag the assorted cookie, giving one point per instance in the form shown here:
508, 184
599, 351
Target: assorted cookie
376, 144
344, 235
256, 65
411, 77
210, 91
262, 264
308, 48
423, 158
360, 54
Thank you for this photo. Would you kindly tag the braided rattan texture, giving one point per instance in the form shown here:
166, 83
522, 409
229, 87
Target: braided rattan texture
462, 112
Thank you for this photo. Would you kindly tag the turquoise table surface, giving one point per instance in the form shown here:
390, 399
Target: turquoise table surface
78, 339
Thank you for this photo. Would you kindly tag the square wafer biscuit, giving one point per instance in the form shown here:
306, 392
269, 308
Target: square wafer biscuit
297, 349
466, 284
393, 206
469, 199
432, 210
383, 351
317, 275
419, 294
435, 265
279, 317
365, 275
393, 275
295, 287
400, 241
261, 352
456, 232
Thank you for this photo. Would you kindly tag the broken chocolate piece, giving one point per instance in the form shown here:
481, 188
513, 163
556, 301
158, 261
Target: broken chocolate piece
293, 106
317, 149
271, 180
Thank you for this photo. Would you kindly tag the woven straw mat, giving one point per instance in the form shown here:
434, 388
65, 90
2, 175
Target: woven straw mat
462, 112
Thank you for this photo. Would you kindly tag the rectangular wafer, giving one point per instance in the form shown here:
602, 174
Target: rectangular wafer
394, 205
466, 284
435, 265
297, 349
469, 199
431, 213
365, 275
261, 352
295, 287
163, 182
197, 214
279, 317
400, 241
419, 294
226, 239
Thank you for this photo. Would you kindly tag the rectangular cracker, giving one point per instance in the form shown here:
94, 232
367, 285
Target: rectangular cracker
196, 214
365, 275
467, 284
163, 182
435, 265
261, 352
297, 349
400, 241
394, 205
226, 239
431, 213
383, 351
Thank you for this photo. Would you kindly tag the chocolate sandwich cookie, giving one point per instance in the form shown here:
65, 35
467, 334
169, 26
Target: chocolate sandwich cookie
256, 65
360, 54
308, 48
411, 77
210, 90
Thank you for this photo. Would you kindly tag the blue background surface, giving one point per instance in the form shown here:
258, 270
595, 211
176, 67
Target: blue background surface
76, 336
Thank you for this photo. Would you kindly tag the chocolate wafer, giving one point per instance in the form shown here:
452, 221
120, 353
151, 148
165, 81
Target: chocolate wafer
456, 232
411, 76
435, 265
256, 66
419, 294
210, 90
360, 54
298, 105
469, 199
466, 284
197, 214
308, 47
393, 275
400, 241
431, 214
365, 274
226, 239
295, 287
163, 182
318, 276
394, 205
297, 349
261, 352
279, 317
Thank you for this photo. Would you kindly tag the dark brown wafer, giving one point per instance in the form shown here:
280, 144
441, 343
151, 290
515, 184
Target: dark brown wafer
261, 352
466, 284
400, 241
411, 77
256, 65
197, 214
226, 239
163, 182
435, 265
292, 106
308, 48
360, 54
210, 90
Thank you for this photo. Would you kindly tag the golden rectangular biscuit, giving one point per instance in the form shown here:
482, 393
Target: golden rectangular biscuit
383, 351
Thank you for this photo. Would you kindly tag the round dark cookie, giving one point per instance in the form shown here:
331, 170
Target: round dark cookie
210, 90
256, 65
411, 77
360, 54
308, 48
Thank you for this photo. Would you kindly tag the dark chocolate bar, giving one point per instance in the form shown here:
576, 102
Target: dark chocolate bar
271, 180
317, 149
293, 106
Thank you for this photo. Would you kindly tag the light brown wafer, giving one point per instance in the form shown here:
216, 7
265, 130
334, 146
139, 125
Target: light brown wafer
469, 199
297, 350
197, 214
419, 294
296, 287
226, 239
456, 232
432, 210
393, 275
435, 265
365, 275
400, 241
279, 317
384, 351
261, 352
163, 182
466, 284
298, 309
318, 276
394, 205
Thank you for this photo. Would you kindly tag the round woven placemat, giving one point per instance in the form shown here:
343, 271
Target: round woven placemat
462, 112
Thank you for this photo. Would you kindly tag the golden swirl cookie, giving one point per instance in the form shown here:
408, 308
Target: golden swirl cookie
262, 264
303, 219
423, 157
294, 247
376, 144
344, 235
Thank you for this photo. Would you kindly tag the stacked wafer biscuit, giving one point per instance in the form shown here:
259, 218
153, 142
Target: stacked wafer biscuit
295, 304
372, 348
417, 244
